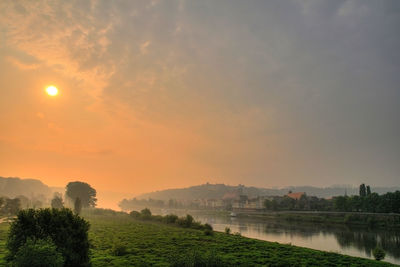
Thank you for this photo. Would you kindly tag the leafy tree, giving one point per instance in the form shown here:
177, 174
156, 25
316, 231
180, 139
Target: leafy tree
57, 202
68, 231
78, 206
82, 190
38, 253
363, 191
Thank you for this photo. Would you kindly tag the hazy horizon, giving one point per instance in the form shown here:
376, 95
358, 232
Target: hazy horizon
156, 95
110, 199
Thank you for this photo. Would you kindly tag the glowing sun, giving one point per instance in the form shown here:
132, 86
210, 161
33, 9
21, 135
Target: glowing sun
52, 90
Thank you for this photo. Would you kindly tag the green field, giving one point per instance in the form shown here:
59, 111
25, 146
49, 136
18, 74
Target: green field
156, 244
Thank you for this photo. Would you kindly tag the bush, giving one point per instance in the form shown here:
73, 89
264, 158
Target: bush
68, 231
119, 249
227, 230
379, 253
208, 227
135, 214
157, 218
171, 218
185, 221
145, 213
38, 253
189, 220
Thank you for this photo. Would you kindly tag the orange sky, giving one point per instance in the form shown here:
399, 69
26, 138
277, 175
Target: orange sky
156, 95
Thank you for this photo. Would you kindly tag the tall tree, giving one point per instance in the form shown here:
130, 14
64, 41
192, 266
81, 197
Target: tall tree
363, 191
368, 190
83, 191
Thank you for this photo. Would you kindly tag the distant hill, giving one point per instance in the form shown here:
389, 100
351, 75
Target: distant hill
14, 186
218, 191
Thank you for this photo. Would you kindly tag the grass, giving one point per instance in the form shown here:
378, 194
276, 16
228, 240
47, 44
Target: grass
119, 240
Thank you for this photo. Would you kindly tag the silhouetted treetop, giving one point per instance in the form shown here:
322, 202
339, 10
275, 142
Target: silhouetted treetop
83, 191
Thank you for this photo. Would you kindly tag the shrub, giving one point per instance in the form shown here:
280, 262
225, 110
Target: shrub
68, 231
38, 253
227, 230
145, 213
197, 225
171, 218
119, 249
181, 222
157, 218
135, 214
208, 227
185, 221
189, 220
379, 253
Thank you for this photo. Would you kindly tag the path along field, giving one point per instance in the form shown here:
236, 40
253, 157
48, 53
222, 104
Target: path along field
155, 244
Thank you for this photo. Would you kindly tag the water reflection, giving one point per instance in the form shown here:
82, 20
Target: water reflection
354, 241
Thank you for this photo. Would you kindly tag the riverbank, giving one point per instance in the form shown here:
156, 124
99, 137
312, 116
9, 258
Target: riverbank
379, 220
119, 240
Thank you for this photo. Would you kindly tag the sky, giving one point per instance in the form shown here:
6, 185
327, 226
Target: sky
167, 94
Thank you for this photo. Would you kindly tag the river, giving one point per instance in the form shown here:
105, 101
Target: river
353, 241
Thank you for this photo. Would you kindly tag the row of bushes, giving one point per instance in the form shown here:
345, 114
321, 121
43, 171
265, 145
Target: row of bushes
186, 222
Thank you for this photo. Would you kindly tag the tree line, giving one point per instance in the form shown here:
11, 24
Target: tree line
78, 195
366, 201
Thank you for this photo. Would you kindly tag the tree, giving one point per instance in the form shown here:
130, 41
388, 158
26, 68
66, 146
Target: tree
368, 190
38, 253
78, 206
84, 191
68, 231
57, 202
363, 191
12, 206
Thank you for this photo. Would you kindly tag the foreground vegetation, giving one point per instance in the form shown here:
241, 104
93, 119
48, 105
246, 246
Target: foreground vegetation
117, 239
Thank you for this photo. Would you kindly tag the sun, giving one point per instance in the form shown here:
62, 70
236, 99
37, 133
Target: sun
52, 90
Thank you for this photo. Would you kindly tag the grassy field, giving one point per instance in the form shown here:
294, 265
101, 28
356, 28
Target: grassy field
121, 241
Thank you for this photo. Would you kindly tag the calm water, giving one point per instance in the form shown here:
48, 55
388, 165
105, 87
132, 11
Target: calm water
350, 241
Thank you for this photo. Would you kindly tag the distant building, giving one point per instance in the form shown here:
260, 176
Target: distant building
230, 196
246, 204
296, 195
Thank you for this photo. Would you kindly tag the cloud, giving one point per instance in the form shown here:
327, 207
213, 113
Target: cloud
300, 83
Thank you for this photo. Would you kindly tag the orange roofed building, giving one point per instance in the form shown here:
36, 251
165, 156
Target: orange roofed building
296, 195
